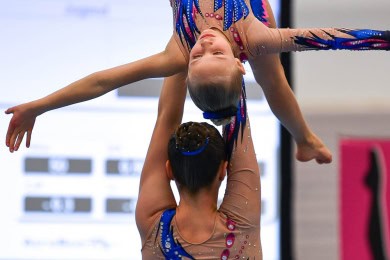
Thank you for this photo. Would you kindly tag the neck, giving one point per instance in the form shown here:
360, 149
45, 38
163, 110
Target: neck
221, 32
196, 215
205, 201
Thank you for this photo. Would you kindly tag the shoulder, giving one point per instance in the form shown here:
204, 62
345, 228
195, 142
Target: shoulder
149, 229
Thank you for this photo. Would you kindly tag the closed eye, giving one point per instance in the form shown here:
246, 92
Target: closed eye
218, 53
196, 56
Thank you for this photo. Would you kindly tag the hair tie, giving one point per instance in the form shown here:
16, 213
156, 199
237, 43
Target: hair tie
197, 151
220, 114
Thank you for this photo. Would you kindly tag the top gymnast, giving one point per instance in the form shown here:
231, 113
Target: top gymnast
210, 40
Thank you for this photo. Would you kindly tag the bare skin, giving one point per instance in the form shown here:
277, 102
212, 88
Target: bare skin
170, 62
212, 55
90, 87
195, 214
213, 52
170, 113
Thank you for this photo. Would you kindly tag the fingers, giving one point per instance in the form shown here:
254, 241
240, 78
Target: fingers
20, 124
11, 141
13, 136
321, 156
19, 141
15, 141
11, 127
28, 141
324, 158
9, 110
10, 131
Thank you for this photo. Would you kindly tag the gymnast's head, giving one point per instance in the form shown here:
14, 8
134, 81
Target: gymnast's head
196, 158
214, 73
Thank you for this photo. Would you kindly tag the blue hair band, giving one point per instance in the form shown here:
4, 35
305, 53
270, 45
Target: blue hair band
220, 114
197, 151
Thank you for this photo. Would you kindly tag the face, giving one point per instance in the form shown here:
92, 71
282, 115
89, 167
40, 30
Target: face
212, 55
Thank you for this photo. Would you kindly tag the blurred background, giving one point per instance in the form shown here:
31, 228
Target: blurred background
72, 194
343, 95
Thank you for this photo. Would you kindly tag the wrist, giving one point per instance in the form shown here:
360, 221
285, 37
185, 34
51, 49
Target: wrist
37, 107
307, 137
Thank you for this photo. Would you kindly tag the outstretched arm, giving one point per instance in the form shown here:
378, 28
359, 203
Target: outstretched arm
155, 192
263, 40
166, 63
269, 73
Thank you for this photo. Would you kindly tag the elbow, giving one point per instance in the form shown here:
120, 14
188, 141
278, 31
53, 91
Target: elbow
101, 83
171, 120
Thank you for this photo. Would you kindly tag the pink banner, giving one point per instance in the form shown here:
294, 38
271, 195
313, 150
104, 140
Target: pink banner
365, 199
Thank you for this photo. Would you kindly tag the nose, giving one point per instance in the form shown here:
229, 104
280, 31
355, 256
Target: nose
205, 42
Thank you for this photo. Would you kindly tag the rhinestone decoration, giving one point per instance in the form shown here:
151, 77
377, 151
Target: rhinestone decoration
225, 254
230, 240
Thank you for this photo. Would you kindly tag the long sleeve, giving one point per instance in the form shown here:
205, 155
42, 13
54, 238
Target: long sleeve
243, 192
263, 40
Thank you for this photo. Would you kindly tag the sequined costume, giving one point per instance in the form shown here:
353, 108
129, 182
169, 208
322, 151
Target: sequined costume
236, 233
244, 23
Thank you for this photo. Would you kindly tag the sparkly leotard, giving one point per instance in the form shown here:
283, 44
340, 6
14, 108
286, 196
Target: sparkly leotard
244, 23
236, 233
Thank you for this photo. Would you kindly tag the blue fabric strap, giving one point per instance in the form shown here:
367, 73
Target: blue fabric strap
171, 249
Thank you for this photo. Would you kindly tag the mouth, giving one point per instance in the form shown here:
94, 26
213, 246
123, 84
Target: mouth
206, 35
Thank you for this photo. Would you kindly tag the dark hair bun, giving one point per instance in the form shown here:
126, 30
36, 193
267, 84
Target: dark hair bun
191, 136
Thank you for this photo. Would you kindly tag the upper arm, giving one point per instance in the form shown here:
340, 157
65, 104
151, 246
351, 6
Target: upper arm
267, 69
164, 64
155, 192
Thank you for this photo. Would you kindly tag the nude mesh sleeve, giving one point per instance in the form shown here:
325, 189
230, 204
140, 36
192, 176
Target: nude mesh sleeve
242, 200
266, 40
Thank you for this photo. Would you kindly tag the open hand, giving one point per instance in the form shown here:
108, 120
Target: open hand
22, 123
313, 148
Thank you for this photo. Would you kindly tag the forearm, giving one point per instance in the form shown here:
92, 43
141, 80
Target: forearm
94, 85
171, 102
153, 176
163, 64
169, 116
269, 74
334, 39
267, 40
285, 107
84, 89
243, 181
